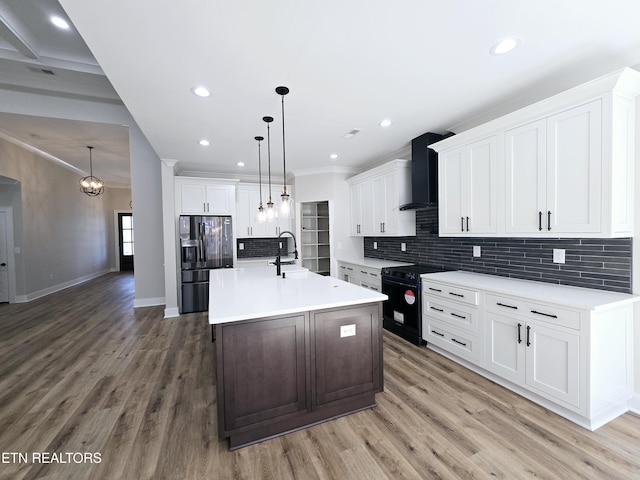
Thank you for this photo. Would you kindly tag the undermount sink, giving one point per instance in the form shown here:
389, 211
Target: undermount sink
297, 274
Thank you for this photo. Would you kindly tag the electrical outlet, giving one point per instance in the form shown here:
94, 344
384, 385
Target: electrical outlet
347, 330
558, 255
476, 251
280, 244
241, 246
403, 247
375, 245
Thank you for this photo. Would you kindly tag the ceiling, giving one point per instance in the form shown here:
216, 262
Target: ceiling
423, 64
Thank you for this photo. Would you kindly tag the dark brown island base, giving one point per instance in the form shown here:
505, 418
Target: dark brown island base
280, 373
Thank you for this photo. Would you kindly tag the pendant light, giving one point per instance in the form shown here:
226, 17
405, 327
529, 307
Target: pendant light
271, 211
261, 216
91, 185
286, 202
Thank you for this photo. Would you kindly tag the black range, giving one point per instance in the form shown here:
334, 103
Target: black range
403, 310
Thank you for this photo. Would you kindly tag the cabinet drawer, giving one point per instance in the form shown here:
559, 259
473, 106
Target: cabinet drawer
536, 311
452, 293
452, 313
373, 274
466, 346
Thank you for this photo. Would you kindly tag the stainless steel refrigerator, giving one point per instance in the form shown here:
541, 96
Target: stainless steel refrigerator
206, 242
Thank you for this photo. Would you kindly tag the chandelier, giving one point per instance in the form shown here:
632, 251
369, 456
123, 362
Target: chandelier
91, 185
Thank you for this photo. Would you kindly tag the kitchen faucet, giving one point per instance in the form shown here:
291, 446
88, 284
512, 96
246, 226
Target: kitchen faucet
278, 262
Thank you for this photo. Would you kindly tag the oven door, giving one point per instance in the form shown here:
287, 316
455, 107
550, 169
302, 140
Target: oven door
402, 311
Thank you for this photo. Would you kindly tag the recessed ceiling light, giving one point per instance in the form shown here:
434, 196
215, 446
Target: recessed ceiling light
60, 23
505, 45
204, 143
385, 123
201, 92
240, 164
333, 156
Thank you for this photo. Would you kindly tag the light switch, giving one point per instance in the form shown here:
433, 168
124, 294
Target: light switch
347, 330
476, 251
241, 246
375, 245
403, 247
558, 255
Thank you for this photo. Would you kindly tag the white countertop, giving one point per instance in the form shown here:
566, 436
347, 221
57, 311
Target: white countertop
373, 262
578, 297
254, 292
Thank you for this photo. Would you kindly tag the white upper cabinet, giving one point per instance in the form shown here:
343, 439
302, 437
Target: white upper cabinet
248, 200
564, 167
376, 196
467, 190
554, 173
195, 196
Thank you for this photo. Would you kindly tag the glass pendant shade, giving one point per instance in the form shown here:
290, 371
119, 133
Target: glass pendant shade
90, 185
286, 202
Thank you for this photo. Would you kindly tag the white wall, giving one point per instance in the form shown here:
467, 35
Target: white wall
145, 178
62, 234
331, 186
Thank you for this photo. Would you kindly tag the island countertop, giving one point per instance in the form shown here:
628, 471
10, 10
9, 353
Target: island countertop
245, 293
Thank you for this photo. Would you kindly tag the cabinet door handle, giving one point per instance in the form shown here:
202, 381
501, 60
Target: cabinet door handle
528, 335
456, 294
437, 309
505, 305
458, 316
208, 207
519, 337
540, 220
204, 207
459, 342
544, 314
548, 220
435, 289
384, 227
467, 224
462, 224
437, 333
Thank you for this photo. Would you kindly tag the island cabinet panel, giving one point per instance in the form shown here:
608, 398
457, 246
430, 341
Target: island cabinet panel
264, 370
278, 374
347, 352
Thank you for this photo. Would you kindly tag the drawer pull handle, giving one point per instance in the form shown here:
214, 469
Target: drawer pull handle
435, 289
528, 333
459, 342
437, 309
458, 316
544, 314
362, 271
456, 294
437, 333
519, 337
505, 305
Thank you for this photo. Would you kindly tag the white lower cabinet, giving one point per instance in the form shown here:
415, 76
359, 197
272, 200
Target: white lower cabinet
364, 276
568, 349
539, 356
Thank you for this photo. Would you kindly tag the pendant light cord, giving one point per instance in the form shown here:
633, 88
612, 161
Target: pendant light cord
284, 159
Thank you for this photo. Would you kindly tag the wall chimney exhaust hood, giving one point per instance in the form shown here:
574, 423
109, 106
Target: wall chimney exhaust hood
424, 172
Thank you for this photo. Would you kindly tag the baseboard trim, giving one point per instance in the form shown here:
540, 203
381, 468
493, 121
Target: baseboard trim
148, 302
171, 312
56, 288
634, 403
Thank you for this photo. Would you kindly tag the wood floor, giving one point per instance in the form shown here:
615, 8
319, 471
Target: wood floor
81, 372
